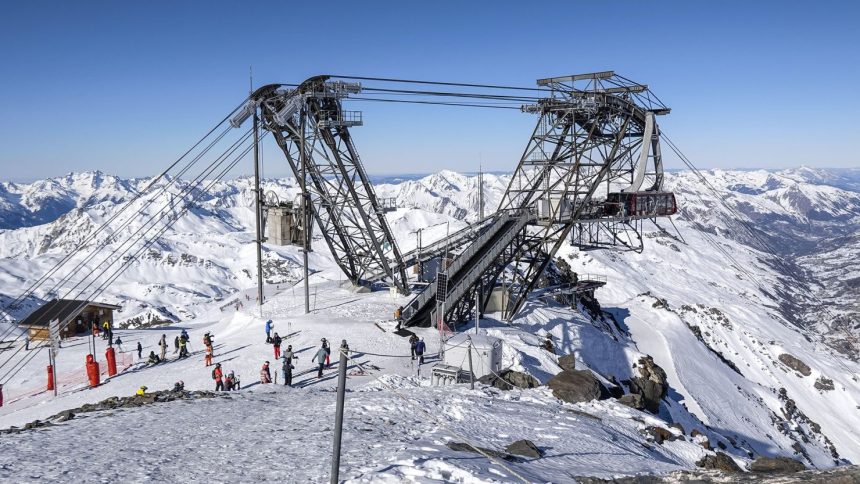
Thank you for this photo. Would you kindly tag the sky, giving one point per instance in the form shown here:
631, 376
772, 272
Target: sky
126, 87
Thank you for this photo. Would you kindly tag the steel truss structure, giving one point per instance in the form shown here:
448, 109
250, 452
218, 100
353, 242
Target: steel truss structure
312, 129
596, 134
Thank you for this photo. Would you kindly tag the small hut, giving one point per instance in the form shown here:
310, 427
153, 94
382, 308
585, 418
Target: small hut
75, 317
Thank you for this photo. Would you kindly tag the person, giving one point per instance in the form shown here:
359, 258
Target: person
179, 386
183, 347
118, 343
288, 367
207, 339
398, 315
276, 343
162, 343
269, 326
139, 350
265, 375
236, 383
184, 334
413, 342
141, 390
208, 358
153, 359
95, 329
218, 376
327, 349
320, 358
106, 328
419, 350
176, 345
228, 382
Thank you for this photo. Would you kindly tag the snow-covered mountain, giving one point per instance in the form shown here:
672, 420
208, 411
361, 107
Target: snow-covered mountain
749, 306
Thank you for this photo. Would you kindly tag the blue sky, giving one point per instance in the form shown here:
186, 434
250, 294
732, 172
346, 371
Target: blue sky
125, 87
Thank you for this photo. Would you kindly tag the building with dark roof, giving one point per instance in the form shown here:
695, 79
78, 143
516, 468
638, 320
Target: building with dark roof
75, 317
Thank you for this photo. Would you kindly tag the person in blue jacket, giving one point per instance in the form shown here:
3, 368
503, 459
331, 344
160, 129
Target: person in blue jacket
420, 347
269, 331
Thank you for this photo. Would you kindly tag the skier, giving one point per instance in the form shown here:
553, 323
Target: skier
228, 382
176, 345
185, 334
288, 367
413, 342
276, 343
269, 327
419, 350
398, 315
179, 386
139, 350
218, 375
118, 343
207, 339
320, 358
153, 359
265, 375
327, 349
208, 358
142, 390
106, 328
162, 343
183, 347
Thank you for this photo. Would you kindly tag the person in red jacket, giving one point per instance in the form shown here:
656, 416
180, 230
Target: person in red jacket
218, 376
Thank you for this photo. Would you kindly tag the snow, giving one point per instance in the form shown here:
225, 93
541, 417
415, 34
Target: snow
718, 314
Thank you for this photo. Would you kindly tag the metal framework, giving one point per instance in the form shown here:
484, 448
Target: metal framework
342, 200
596, 134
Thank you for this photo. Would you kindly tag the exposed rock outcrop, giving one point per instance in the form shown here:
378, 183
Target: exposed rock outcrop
719, 461
525, 448
650, 383
776, 465
575, 386
795, 364
509, 379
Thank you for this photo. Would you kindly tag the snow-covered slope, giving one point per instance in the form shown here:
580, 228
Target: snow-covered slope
724, 312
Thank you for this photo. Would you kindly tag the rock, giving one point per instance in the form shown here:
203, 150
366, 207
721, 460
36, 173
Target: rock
695, 433
463, 447
795, 364
525, 448
575, 386
509, 379
64, 416
633, 400
825, 384
772, 465
567, 362
650, 383
720, 462
679, 427
660, 434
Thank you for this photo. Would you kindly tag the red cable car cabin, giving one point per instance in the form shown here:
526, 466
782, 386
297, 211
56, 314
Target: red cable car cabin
641, 204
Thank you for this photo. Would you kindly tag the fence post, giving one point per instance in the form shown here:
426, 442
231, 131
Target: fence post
471, 373
338, 422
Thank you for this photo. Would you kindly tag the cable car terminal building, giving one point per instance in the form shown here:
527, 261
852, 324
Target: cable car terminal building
76, 317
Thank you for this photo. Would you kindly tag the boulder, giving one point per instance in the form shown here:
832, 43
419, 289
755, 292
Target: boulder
633, 400
825, 384
795, 364
720, 462
575, 386
772, 465
525, 448
463, 447
660, 434
650, 383
509, 379
567, 362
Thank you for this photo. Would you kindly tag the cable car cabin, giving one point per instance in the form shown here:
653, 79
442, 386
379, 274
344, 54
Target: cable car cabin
640, 204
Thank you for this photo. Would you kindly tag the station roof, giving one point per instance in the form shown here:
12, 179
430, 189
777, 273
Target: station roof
62, 309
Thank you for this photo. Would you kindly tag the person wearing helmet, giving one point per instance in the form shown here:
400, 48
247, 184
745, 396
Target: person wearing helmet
287, 365
420, 347
142, 390
265, 375
327, 349
218, 376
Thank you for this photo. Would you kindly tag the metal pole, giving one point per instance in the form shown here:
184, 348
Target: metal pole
338, 420
471, 373
53, 358
477, 307
259, 212
305, 229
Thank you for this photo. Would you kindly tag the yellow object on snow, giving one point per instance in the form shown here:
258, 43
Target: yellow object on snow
141, 391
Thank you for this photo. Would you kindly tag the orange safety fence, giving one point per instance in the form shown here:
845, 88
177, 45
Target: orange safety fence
67, 381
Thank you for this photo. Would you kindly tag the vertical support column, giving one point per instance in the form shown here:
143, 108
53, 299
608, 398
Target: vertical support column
338, 421
471, 370
258, 211
305, 202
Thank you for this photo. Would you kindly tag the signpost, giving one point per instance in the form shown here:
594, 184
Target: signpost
54, 334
